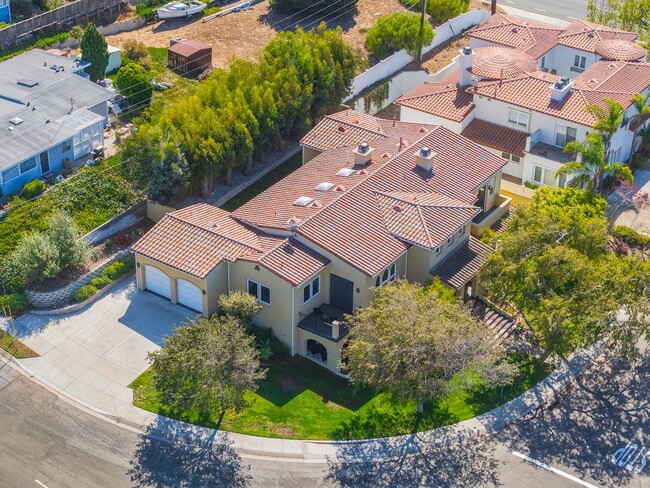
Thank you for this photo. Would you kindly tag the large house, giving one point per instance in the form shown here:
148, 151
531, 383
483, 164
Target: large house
373, 201
48, 113
521, 87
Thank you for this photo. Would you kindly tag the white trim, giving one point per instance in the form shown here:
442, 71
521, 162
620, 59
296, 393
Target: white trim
293, 321
228, 267
258, 292
310, 286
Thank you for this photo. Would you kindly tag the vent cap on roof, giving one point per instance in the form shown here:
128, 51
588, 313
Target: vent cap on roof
345, 172
16, 121
27, 83
303, 201
362, 154
324, 186
424, 158
560, 89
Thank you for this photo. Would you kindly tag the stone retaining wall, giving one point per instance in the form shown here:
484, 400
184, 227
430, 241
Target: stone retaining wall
58, 298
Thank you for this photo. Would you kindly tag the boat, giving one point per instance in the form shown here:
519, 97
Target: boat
175, 10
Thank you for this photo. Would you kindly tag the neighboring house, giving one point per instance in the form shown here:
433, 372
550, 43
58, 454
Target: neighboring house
188, 56
505, 95
5, 11
375, 200
48, 113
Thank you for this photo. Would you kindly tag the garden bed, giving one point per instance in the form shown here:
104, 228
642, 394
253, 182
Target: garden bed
301, 400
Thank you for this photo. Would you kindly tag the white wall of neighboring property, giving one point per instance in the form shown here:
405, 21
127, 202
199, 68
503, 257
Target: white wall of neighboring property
114, 59
565, 57
400, 59
408, 114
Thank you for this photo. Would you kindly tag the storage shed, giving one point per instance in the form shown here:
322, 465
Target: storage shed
188, 56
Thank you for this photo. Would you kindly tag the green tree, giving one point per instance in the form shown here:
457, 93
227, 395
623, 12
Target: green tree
642, 105
443, 10
608, 120
67, 239
169, 178
331, 6
94, 50
630, 15
412, 340
207, 365
590, 171
134, 83
393, 32
240, 305
553, 270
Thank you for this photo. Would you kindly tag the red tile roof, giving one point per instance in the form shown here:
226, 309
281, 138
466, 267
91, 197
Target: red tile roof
443, 98
463, 263
620, 50
496, 136
585, 35
350, 223
187, 47
501, 62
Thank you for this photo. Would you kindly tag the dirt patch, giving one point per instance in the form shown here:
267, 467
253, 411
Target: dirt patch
244, 34
444, 54
333, 406
290, 385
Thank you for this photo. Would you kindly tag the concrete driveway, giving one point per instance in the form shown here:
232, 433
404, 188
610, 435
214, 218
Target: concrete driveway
95, 354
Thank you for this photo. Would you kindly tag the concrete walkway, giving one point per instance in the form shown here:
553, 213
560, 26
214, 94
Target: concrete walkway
92, 356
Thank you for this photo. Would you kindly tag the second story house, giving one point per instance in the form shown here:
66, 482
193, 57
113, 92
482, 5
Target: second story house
48, 113
499, 98
407, 201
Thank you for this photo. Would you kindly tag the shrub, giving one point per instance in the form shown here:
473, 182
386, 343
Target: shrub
393, 32
531, 185
11, 276
84, 293
240, 305
133, 82
264, 349
443, 10
122, 240
100, 281
119, 268
67, 239
94, 50
38, 257
630, 236
77, 32
134, 50
33, 189
109, 245
21, 9
16, 301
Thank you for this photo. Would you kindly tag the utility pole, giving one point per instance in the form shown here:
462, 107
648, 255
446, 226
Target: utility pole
493, 8
422, 19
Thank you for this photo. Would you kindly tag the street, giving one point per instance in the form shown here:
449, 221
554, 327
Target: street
567, 10
599, 434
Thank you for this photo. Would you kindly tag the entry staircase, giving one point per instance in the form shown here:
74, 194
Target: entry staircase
502, 324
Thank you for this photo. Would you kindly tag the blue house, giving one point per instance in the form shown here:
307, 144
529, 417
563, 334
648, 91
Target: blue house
48, 113
5, 11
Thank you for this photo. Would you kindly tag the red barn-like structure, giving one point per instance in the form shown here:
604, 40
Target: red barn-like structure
188, 56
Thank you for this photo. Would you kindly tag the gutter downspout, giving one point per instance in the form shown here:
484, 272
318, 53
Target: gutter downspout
406, 264
228, 264
293, 316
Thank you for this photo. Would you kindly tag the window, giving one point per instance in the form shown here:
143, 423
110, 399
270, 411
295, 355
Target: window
517, 117
387, 276
461, 231
491, 186
10, 174
66, 145
564, 134
511, 157
261, 292
579, 61
311, 290
437, 250
450, 240
28, 165
542, 64
545, 176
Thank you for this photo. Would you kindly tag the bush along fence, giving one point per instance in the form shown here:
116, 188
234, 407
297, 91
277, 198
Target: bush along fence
400, 59
108, 275
58, 298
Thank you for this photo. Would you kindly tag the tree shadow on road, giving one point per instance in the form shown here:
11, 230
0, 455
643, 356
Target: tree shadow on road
606, 410
186, 457
413, 461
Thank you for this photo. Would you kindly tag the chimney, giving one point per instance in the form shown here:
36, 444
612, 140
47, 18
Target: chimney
424, 159
362, 154
560, 89
465, 61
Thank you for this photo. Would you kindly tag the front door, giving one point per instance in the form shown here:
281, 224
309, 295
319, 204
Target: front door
45, 162
341, 293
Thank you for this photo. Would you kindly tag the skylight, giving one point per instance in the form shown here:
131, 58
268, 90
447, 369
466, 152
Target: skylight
324, 186
28, 83
303, 201
16, 121
344, 172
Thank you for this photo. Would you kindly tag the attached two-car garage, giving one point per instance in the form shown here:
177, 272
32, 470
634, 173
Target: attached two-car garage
187, 293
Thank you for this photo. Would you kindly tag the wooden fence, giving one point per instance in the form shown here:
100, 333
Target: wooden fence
79, 12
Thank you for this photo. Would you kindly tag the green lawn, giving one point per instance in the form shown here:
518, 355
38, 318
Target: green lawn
14, 347
301, 400
270, 179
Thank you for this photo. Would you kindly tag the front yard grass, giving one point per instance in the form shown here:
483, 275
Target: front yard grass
301, 400
14, 347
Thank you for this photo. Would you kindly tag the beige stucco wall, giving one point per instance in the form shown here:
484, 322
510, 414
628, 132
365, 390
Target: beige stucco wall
333, 349
214, 284
278, 314
156, 211
308, 154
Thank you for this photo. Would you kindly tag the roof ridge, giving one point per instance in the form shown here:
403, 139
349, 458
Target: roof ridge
349, 124
424, 226
171, 215
461, 205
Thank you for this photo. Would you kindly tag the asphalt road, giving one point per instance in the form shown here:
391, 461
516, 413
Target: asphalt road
568, 10
45, 441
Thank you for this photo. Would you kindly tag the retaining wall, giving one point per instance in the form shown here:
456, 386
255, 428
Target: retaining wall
58, 298
117, 223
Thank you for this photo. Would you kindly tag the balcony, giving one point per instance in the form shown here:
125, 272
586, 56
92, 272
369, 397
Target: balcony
325, 321
487, 219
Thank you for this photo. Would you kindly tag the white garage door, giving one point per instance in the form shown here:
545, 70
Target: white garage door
190, 295
157, 281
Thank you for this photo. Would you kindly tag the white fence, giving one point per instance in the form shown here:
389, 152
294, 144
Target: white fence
400, 59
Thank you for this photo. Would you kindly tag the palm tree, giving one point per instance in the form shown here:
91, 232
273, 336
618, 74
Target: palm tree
640, 102
608, 120
588, 172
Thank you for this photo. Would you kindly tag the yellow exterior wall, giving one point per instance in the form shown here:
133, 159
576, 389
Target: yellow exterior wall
333, 349
156, 211
308, 154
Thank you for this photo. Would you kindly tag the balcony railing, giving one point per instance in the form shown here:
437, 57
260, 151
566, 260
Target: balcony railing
325, 321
